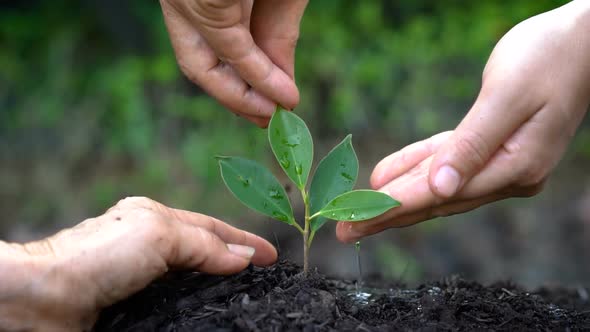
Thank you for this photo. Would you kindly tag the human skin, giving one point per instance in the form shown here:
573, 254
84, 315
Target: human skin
62, 282
241, 52
533, 97
535, 92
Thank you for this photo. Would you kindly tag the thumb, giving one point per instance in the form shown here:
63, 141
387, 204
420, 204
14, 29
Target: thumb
275, 27
489, 123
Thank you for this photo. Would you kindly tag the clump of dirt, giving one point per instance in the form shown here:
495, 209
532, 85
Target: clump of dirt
280, 298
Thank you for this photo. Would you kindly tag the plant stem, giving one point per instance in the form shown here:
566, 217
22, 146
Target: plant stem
306, 230
296, 225
315, 215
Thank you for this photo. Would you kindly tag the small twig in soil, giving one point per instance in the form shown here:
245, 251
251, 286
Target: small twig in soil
508, 292
210, 308
294, 315
506, 322
362, 327
481, 320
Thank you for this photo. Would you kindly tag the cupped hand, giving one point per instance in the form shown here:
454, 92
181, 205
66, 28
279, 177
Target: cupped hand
535, 92
68, 278
239, 51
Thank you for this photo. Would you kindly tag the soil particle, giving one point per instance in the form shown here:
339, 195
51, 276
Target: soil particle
279, 298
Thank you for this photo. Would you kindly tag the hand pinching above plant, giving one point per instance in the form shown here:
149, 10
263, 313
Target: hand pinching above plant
330, 195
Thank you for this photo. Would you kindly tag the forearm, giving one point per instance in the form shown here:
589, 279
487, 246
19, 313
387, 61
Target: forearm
15, 288
30, 291
582, 23
572, 38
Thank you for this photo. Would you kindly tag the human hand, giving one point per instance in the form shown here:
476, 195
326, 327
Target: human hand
239, 51
62, 282
535, 92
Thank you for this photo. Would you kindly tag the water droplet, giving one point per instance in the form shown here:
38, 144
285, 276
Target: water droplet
291, 145
292, 141
280, 216
299, 169
352, 216
357, 245
245, 181
333, 214
285, 162
275, 194
346, 176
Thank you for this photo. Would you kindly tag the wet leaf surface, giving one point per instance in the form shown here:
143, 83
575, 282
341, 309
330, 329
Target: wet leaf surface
358, 205
335, 175
256, 187
292, 145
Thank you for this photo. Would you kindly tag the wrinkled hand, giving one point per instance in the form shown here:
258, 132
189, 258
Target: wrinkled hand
62, 282
240, 51
535, 92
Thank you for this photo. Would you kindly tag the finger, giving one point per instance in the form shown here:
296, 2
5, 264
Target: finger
275, 28
499, 110
405, 159
202, 66
411, 189
204, 251
350, 232
233, 44
261, 122
265, 254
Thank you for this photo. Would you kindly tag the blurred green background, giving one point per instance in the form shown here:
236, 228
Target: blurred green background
93, 108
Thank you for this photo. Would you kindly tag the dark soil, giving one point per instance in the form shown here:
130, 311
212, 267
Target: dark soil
279, 298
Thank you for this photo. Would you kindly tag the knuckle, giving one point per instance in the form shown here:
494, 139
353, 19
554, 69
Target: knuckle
206, 242
150, 220
155, 231
214, 4
531, 172
472, 149
531, 190
133, 202
187, 70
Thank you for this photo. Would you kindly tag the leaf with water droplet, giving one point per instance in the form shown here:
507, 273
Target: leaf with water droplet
347, 176
279, 216
245, 181
291, 144
274, 194
292, 141
256, 187
285, 163
358, 205
328, 180
298, 169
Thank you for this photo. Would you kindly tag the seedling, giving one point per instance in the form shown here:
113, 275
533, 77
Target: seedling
330, 195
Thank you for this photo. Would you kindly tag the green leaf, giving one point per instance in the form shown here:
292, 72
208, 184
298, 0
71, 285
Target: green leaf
292, 145
256, 187
358, 205
335, 175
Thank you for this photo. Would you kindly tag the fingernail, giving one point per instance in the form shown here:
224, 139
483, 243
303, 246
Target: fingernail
447, 181
240, 250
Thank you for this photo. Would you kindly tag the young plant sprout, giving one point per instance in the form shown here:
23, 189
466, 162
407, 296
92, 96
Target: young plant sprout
330, 195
